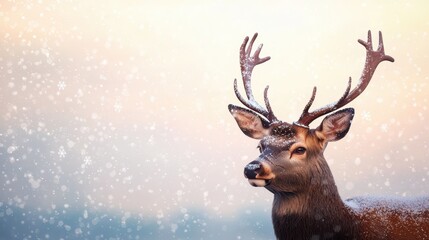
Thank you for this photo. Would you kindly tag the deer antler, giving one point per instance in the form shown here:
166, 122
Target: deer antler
373, 58
247, 63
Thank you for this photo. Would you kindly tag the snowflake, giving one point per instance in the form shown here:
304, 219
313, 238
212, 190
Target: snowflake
87, 160
61, 152
366, 116
384, 127
117, 107
61, 85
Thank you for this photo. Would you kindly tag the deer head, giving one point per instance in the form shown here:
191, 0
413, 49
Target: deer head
291, 159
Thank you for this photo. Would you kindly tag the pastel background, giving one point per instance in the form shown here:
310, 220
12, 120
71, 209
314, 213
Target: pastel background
114, 120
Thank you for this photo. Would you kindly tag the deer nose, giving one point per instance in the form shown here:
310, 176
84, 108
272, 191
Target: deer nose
252, 169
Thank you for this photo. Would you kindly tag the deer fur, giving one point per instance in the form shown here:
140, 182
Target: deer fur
306, 203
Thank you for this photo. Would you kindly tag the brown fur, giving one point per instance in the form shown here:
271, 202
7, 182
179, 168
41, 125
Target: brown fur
306, 202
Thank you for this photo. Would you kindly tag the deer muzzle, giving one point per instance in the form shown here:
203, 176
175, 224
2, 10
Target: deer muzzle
258, 173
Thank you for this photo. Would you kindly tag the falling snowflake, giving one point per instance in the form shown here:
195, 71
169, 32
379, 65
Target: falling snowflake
61, 85
12, 149
366, 116
384, 127
117, 107
61, 152
87, 160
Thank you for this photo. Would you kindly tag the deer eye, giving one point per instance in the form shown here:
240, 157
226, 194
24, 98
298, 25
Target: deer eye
299, 150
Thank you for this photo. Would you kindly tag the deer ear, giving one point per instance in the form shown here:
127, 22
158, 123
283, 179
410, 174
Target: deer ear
335, 126
249, 122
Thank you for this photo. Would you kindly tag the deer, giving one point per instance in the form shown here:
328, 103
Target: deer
292, 166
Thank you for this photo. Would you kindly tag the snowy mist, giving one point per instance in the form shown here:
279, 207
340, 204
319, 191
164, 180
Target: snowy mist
114, 116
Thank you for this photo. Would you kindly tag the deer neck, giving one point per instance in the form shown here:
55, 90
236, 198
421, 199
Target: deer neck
318, 212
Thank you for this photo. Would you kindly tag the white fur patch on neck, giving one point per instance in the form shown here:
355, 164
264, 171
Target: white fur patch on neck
257, 182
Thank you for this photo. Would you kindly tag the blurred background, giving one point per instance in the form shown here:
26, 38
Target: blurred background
115, 125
